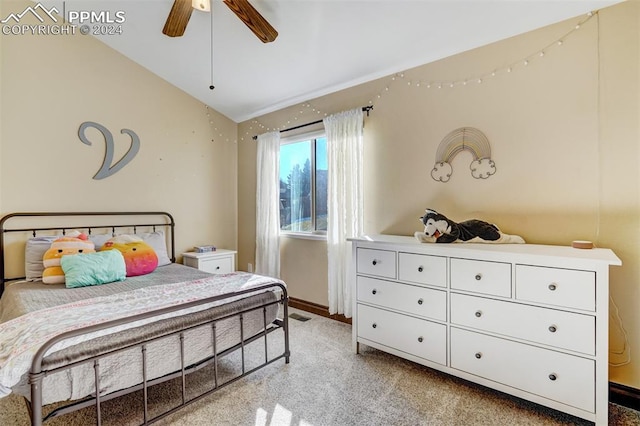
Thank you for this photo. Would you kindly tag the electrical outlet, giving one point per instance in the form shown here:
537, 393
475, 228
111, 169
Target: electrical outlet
249, 267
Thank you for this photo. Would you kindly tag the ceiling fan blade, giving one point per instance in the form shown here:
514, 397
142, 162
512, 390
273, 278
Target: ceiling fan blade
252, 19
178, 18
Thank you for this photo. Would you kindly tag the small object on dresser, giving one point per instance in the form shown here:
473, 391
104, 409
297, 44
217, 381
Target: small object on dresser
204, 249
582, 244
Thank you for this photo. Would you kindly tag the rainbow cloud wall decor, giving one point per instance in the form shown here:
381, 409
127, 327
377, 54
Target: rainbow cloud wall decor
464, 139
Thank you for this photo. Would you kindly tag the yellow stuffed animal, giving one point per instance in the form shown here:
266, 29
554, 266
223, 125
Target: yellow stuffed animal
139, 257
63, 246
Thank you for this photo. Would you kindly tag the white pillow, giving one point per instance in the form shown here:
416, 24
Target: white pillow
99, 240
33, 253
158, 242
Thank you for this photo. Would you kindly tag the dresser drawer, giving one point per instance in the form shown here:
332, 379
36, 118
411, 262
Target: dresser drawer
415, 300
479, 276
381, 263
566, 330
554, 286
222, 265
422, 269
564, 378
421, 338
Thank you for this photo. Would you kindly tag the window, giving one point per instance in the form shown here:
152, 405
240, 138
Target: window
303, 184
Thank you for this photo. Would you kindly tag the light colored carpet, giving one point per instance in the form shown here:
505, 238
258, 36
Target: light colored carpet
327, 384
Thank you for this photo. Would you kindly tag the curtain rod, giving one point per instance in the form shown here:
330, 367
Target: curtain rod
364, 109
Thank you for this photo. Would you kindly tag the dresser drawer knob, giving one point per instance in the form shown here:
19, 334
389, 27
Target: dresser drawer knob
553, 377
374, 325
420, 269
374, 263
420, 301
478, 355
552, 286
478, 314
420, 339
374, 291
553, 328
478, 277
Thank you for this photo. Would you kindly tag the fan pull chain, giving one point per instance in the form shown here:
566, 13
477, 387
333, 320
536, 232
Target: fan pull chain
211, 87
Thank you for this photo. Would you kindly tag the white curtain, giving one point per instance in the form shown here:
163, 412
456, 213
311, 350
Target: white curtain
345, 205
268, 205
296, 205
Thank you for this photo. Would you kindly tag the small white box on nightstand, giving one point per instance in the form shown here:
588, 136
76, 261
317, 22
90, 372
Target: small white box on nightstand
216, 262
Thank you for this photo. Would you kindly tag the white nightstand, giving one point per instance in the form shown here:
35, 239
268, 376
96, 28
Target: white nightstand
220, 261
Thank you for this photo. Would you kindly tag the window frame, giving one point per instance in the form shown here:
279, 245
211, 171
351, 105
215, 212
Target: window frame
303, 137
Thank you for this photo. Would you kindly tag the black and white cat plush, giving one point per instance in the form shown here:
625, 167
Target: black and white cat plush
439, 229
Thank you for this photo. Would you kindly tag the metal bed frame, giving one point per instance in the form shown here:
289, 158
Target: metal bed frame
39, 370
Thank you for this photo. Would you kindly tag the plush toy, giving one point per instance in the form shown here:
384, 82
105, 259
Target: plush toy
139, 257
439, 229
71, 244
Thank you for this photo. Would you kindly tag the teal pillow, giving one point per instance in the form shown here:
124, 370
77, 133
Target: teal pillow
85, 269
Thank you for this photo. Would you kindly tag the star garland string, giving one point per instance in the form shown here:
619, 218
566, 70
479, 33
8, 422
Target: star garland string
306, 107
480, 78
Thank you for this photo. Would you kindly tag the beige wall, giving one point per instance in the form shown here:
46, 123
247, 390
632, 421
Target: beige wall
2, 9
564, 135
52, 84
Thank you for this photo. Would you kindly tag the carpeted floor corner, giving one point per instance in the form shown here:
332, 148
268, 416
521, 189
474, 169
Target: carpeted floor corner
327, 384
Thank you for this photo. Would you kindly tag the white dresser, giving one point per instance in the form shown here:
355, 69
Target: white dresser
528, 320
220, 261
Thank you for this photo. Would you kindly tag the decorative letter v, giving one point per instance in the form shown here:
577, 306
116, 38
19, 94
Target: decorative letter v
107, 169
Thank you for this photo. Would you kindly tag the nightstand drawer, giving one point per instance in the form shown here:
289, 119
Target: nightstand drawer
566, 330
422, 269
415, 300
480, 276
421, 338
564, 378
554, 286
381, 263
222, 265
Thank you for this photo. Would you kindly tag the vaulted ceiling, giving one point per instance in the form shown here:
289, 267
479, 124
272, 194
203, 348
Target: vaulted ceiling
322, 45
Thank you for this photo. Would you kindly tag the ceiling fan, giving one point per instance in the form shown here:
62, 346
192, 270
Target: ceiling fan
181, 12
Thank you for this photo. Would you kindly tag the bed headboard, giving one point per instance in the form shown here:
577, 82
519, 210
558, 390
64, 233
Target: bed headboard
27, 225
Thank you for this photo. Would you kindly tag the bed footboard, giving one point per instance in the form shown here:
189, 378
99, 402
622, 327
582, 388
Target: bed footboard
39, 369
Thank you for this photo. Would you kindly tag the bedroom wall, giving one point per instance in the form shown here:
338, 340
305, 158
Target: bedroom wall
564, 134
1, 96
52, 84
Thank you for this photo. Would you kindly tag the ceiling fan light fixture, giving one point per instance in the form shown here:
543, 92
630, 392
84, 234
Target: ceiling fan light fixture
202, 5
